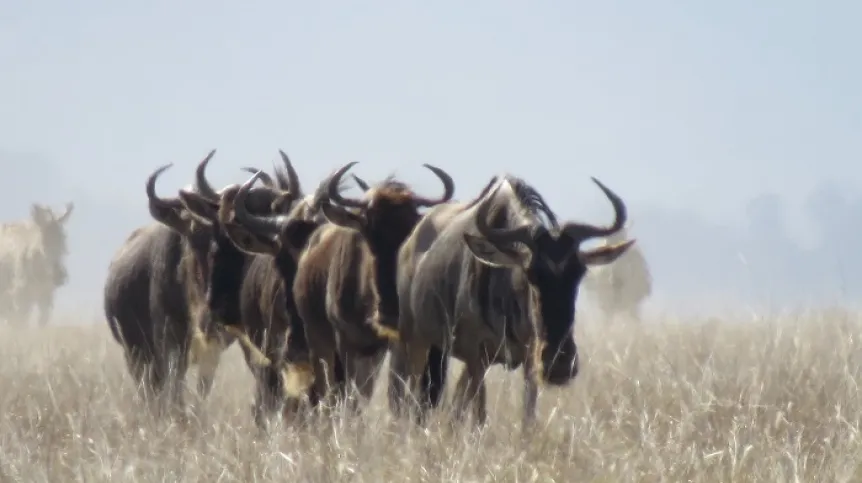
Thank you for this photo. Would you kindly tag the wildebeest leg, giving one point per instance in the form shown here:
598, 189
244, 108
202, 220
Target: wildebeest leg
326, 385
397, 374
361, 374
19, 313
268, 398
173, 365
416, 361
46, 308
266, 390
139, 369
471, 389
531, 394
433, 381
207, 368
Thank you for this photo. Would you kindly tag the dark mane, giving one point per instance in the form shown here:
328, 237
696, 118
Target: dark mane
392, 191
531, 200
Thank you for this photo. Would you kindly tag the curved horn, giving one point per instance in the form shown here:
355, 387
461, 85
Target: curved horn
292, 183
256, 224
69, 207
361, 183
264, 178
501, 236
582, 231
202, 186
448, 188
332, 188
151, 189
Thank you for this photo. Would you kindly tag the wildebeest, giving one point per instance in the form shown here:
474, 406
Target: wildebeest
267, 314
32, 264
411, 251
344, 286
155, 295
504, 293
152, 291
241, 291
620, 288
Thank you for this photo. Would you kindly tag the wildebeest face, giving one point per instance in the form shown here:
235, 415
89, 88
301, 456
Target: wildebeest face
553, 265
385, 217
219, 259
226, 260
274, 234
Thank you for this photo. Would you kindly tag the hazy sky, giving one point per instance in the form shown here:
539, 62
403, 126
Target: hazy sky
664, 101
682, 105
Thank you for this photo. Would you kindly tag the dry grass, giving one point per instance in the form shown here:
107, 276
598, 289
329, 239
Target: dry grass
763, 400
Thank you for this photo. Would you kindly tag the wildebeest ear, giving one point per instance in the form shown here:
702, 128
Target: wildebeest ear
296, 235
604, 254
341, 217
39, 214
199, 206
249, 242
171, 215
492, 256
70, 206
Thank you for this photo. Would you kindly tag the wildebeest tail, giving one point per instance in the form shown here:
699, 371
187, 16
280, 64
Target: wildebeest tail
114, 325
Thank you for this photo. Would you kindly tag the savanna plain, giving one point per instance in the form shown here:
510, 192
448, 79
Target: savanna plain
738, 399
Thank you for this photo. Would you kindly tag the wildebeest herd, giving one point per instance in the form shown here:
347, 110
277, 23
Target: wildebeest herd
317, 288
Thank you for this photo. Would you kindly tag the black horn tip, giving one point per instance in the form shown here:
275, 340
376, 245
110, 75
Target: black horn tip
335, 179
446, 179
598, 182
364, 186
151, 179
161, 169
258, 174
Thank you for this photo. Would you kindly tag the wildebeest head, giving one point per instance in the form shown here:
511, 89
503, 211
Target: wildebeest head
53, 235
277, 234
385, 217
195, 215
553, 265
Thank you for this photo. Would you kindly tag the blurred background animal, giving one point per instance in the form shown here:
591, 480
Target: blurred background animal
32, 264
620, 288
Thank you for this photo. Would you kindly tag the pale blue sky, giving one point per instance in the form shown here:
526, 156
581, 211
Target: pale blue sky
662, 100
678, 104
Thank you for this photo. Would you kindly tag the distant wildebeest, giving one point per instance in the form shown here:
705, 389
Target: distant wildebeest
344, 286
620, 288
504, 293
32, 264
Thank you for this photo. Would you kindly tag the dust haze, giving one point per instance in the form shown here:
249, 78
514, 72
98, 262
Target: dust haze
731, 131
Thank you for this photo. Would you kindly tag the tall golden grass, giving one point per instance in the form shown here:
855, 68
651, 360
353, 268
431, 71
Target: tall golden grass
772, 399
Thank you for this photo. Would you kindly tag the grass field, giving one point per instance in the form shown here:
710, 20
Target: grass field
737, 400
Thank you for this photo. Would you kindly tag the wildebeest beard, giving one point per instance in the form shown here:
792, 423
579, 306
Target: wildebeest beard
385, 238
225, 276
557, 296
